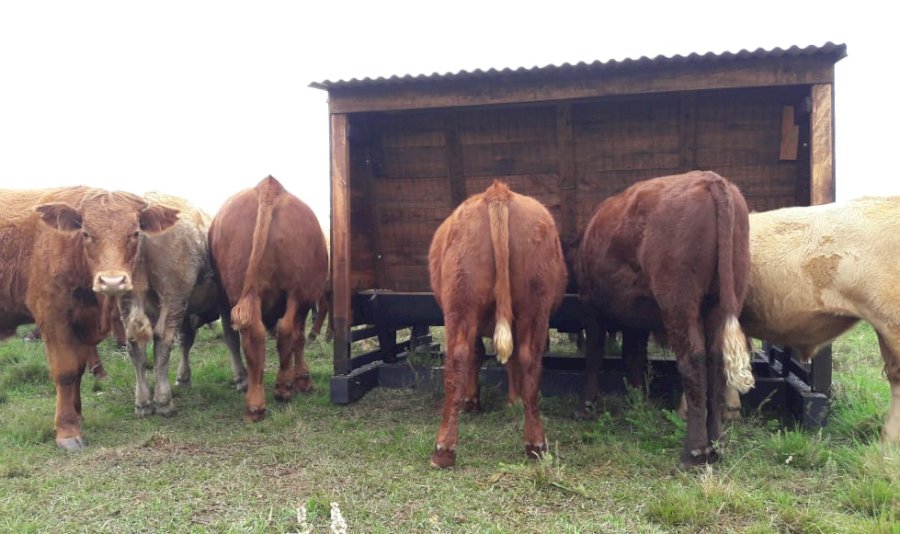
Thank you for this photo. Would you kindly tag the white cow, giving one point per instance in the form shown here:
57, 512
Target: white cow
816, 271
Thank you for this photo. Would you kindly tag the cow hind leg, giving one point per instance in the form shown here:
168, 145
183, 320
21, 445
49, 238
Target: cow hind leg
691, 358
531, 338
460, 335
253, 341
889, 342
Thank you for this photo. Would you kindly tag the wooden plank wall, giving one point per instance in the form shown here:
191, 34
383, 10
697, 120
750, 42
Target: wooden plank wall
410, 169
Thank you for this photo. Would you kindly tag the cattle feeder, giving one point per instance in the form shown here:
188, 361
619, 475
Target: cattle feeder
405, 151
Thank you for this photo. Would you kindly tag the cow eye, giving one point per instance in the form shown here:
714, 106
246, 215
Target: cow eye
86, 236
136, 234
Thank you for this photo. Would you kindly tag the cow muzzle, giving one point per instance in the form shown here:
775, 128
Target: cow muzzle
112, 283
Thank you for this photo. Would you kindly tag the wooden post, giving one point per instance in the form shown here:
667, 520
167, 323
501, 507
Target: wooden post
568, 185
340, 241
822, 191
821, 125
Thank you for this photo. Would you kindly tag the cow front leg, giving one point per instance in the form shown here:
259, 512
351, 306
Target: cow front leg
67, 360
143, 402
460, 356
233, 342
302, 379
186, 338
890, 352
634, 353
594, 347
286, 340
472, 398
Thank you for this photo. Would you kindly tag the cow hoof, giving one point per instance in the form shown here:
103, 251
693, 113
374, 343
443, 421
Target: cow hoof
184, 382
535, 452
143, 410
303, 384
699, 457
472, 405
586, 411
166, 410
443, 458
254, 415
70, 444
283, 394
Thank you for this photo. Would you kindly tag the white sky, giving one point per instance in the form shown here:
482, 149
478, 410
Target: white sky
203, 99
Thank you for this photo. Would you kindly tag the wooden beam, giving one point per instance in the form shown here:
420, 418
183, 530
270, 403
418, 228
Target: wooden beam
687, 131
822, 145
340, 241
580, 84
455, 164
568, 184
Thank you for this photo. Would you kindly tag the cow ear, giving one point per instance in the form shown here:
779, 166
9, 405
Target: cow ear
158, 218
60, 216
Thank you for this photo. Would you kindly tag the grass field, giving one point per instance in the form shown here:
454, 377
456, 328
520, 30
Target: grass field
205, 470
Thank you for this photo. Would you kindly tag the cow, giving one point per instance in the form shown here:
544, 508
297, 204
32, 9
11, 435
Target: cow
817, 271
671, 256
63, 253
496, 268
174, 291
268, 252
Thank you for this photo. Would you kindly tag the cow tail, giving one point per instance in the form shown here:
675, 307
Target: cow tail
243, 312
499, 219
738, 373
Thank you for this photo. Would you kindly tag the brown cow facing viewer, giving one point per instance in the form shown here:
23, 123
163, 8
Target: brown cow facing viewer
671, 256
269, 254
63, 252
496, 268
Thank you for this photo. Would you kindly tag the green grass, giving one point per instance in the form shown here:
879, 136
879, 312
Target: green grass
203, 469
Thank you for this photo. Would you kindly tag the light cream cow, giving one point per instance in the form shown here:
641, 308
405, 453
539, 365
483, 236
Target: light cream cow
816, 271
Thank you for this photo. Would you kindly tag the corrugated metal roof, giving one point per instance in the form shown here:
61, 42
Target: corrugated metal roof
835, 51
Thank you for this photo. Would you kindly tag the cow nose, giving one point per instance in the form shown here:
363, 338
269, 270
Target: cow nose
112, 283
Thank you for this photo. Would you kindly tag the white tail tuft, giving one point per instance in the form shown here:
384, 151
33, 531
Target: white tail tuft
503, 341
738, 373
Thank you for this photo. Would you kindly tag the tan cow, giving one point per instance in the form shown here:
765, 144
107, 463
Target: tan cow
269, 253
174, 291
496, 269
816, 271
62, 253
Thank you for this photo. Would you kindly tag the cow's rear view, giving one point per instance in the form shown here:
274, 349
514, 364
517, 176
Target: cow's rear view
497, 270
671, 255
269, 253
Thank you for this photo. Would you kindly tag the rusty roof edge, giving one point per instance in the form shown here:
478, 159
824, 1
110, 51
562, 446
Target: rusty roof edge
836, 51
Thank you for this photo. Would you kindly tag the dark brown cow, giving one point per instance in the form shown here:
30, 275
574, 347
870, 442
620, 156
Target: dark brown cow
62, 253
269, 253
496, 269
671, 256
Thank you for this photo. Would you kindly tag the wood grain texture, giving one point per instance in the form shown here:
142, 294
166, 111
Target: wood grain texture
822, 137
